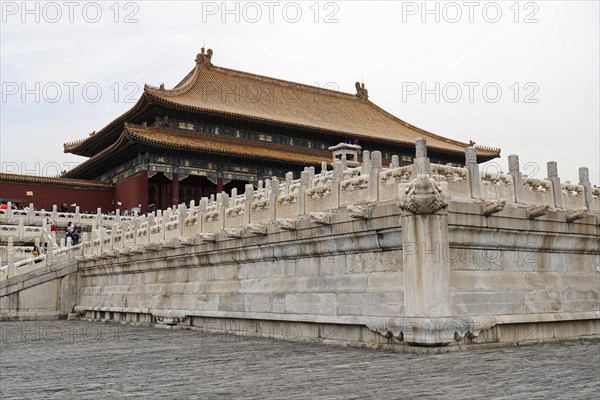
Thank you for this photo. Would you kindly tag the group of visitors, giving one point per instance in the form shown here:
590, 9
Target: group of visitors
73, 233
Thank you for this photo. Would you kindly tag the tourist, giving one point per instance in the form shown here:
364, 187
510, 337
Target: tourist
70, 228
35, 253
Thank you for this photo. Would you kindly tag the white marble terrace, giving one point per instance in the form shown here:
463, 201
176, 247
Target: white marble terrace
283, 202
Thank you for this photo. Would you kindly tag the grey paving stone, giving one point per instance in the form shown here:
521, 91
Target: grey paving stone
85, 360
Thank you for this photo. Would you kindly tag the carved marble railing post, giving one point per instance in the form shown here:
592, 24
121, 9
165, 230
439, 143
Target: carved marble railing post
323, 168
421, 162
21, 228
11, 270
338, 173
45, 230
166, 216
77, 219
113, 234
376, 167
366, 163
50, 250
304, 185
182, 214
311, 170
222, 206
150, 220
289, 176
273, 198
426, 269
474, 178
395, 162
201, 211
584, 180
30, 213
234, 195
218, 200
552, 168
268, 188
248, 203
98, 216
514, 170
54, 212
117, 221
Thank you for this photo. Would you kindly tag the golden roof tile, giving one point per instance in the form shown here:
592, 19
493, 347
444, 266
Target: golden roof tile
217, 90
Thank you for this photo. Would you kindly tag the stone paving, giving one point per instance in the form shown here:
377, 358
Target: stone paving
86, 360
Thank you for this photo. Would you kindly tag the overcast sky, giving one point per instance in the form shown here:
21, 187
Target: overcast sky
520, 76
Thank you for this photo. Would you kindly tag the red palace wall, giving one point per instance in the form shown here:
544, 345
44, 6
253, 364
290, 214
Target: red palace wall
44, 196
132, 192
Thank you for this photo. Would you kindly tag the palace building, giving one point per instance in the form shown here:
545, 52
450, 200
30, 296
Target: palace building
219, 129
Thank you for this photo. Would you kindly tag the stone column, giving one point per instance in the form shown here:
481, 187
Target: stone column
426, 269
142, 188
552, 167
376, 167
471, 165
513, 169
175, 189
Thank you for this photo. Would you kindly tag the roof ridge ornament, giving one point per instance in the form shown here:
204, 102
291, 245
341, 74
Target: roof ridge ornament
361, 91
203, 58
